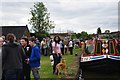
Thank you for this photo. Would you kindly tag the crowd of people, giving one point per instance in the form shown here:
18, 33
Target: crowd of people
66, 46
20, 57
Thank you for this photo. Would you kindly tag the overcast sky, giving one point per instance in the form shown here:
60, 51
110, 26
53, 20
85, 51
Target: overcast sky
74, 15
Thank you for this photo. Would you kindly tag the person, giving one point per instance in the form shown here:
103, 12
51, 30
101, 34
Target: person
26, 67
62, 47
12, 54
51, 41
1, 44
4, 40
118, 47
37, 42
70, 44
44, 46
34, 59
83, 46
80, 43
65, 42
48, 46
56, 53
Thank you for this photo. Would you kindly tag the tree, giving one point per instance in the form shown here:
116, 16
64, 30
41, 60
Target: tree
43, 35
90, 36
40, 19
78, 35
84, 35
73, 36
107, 31
99, 30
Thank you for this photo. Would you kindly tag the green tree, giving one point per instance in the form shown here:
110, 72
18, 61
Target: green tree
107, 31
78, 35
84, 35
40, 19
73, 36
90, 36
99, 30
42, 35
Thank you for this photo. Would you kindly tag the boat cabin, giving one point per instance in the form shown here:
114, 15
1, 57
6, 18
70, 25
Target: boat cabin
102, 47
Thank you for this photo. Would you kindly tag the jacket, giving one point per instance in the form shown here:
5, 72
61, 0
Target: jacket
35, 57
12, 54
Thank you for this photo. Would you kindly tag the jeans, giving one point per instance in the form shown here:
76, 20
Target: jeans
44, 51
62, 51
12, 74
36, 73
57, 60
71, 50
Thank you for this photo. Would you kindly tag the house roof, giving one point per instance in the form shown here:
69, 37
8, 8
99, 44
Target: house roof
18, 31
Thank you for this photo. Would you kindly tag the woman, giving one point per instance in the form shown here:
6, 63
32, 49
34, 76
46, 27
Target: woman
56, 52
44, 47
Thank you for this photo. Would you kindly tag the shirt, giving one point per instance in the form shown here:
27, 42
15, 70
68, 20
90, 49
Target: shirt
43, 44
57, 47
70, 44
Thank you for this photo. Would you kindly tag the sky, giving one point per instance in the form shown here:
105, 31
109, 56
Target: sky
68, 15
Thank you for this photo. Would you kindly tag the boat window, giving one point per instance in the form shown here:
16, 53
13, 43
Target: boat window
98, 47
118, 48
111, 48
89, 49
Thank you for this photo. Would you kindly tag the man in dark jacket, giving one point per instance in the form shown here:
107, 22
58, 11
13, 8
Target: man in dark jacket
12, 55
26, 67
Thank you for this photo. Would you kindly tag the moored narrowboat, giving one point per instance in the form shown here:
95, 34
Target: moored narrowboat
101, 56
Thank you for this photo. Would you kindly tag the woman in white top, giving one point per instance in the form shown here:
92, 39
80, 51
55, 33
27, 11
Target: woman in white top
71, 47
56, 52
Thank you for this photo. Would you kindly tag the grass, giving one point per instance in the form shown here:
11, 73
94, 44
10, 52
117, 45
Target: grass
46, 68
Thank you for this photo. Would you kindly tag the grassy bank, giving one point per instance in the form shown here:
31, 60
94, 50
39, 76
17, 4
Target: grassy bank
46, 68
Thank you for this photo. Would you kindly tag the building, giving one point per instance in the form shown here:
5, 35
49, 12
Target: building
62, 35
19, 31
115, 34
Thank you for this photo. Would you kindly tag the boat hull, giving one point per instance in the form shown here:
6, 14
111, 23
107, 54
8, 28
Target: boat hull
102, 65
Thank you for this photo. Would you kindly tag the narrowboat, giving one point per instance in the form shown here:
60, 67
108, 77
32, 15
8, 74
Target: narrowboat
101, 56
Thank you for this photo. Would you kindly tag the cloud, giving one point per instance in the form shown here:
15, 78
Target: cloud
14, 13
88, 15
75, 15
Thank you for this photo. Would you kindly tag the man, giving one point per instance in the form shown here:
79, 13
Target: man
1, 44
34, 59
70, 44
1, 41
26, 66
4, 41
12, 54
